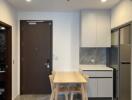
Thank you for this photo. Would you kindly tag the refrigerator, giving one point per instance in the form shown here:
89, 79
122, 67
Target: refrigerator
120, 61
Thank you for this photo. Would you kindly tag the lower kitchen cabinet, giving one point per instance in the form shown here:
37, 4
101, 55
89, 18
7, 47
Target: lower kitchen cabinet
100, 87
100, 84
92, 87
105, 87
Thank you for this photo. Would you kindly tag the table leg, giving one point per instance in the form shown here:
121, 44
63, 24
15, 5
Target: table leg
86, 91
83, 91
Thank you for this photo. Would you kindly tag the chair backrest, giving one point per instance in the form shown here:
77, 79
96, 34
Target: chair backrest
53, 73
85, 76
51, 81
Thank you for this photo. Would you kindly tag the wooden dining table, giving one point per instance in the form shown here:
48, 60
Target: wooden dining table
71, 78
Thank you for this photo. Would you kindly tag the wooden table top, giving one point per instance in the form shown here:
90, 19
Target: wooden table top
69, 77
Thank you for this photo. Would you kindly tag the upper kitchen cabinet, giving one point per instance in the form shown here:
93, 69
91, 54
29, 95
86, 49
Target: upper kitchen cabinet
115, 37
125, 36
95, 28
103, 28
88, 29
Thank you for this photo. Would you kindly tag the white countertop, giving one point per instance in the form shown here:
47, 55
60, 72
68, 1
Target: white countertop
95, 67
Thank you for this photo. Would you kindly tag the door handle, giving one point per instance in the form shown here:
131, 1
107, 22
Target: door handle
47, 64
125, 62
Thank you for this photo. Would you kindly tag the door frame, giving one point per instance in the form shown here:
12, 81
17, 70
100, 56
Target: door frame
9, 60
51, 51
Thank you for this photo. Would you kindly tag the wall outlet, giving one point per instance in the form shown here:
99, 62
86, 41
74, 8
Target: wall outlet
92, 60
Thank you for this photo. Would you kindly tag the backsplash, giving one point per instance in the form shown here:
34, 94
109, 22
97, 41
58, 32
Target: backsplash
93, 56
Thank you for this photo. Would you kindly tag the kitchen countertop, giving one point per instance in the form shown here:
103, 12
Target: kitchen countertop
95, 68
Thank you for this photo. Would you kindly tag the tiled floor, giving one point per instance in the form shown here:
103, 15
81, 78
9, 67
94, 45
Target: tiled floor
33, 97
47, 97
38, 97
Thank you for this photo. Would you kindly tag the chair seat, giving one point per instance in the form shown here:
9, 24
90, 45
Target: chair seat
63, 90
75, 90
70, 89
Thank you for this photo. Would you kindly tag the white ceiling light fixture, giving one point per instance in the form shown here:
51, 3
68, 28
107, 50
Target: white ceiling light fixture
103, 1
28, 0
61, 5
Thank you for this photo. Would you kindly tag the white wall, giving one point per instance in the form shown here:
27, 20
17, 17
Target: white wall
121, 13
65, 37
9, 16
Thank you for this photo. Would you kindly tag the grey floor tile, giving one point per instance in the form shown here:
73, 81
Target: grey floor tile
47, 97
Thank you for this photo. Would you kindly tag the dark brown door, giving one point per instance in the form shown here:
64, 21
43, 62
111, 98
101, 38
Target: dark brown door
5, 61
36, 56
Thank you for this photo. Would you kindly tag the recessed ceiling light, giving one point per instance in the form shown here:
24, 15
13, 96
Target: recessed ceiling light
103, 1
28, 0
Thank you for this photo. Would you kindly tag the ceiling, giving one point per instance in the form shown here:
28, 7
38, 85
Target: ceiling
61, 5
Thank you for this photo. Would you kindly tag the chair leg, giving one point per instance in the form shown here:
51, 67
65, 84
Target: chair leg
56, 94
66, 96
71, 96
52, 96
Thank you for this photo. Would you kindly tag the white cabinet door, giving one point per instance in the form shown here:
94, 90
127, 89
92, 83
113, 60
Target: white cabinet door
100, 87
103, 29
95, 28
105, 87
88, 29
115, 37
92, 87
125, 35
